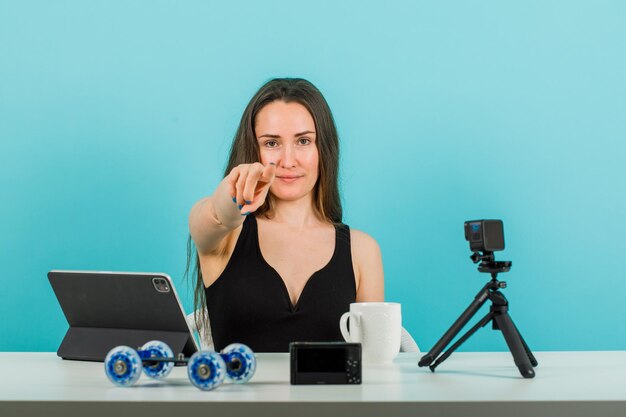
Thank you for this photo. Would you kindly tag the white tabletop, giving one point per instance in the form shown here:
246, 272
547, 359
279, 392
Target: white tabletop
577, 383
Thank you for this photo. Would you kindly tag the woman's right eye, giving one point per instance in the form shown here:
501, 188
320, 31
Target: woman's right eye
271, 143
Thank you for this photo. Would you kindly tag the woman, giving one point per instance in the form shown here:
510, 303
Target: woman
276, 264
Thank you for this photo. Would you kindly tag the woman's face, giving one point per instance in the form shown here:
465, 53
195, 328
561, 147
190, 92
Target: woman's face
286, 136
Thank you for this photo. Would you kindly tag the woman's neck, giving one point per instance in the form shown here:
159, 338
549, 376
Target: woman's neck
295, 213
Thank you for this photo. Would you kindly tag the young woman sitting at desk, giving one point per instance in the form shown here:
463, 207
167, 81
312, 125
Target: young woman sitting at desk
275, 263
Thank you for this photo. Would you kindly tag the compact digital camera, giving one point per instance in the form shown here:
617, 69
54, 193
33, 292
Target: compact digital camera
325, 363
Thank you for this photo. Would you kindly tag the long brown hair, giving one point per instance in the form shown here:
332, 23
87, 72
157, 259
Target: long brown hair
245, 150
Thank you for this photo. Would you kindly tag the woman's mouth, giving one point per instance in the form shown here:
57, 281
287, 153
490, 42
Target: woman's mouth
289, 178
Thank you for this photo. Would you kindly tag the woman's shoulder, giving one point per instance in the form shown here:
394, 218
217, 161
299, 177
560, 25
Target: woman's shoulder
368, 267
363, 245
212, 264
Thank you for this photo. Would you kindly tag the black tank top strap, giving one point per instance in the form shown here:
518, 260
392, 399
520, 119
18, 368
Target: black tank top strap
246, 240
343, 240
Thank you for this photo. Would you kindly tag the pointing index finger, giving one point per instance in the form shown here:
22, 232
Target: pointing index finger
268, 172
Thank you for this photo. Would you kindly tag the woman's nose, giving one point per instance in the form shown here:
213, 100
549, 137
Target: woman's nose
287, 158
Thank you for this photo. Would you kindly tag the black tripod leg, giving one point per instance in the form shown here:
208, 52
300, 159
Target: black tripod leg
516, 345
530, 355
462, 339
456, 327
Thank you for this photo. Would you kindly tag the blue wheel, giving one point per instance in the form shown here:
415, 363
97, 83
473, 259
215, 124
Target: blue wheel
206, 370
122, 366
240, 362
157, 349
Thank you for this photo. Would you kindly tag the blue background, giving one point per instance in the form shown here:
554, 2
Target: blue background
116, 116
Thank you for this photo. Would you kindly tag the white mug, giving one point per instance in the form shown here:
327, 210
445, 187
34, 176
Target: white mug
377, 326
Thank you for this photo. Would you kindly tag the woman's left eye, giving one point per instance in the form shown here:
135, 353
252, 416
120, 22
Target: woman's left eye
304, 141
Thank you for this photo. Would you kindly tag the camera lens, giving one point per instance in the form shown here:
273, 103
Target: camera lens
160, 284
476, 232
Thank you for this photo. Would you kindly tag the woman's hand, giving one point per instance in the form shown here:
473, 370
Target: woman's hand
249, 185
241, 192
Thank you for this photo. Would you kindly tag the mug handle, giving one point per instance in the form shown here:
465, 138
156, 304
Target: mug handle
343, 324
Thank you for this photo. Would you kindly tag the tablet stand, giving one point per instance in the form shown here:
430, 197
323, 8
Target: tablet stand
92, 344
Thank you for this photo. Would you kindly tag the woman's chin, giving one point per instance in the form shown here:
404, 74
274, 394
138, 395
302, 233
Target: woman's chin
289, 195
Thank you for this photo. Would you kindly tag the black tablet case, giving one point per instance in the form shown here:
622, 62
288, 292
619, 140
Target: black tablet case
107, 309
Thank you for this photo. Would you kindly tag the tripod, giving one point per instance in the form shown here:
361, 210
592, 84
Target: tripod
498, 315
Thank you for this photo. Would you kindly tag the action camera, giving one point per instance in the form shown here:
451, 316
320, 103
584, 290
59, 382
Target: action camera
485, 235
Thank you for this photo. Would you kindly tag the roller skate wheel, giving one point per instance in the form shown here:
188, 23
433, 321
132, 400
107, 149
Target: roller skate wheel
240, 362
122, 366
157, 349
206, 370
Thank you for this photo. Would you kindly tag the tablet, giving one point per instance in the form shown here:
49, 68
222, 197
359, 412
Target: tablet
106, 309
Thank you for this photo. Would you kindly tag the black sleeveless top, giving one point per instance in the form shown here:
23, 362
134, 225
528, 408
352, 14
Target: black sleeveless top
249, 302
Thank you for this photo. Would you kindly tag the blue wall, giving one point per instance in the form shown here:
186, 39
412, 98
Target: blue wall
116, 116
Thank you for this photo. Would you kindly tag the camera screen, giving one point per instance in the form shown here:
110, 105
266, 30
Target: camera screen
322, 360
494, 235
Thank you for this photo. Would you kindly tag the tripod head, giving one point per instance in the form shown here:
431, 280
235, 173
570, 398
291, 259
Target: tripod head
488, 263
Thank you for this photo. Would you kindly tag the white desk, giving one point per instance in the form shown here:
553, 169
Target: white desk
485, 384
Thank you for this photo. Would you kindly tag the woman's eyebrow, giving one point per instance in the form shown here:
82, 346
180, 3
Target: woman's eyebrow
270, 135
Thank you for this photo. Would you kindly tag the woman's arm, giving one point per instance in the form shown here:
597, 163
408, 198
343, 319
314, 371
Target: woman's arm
242, 191
212, 218
368, 267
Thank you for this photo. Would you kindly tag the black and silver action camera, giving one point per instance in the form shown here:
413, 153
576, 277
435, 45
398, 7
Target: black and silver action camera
325, 363
485, 235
